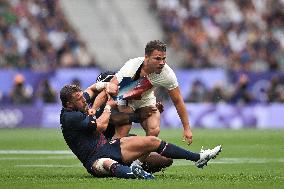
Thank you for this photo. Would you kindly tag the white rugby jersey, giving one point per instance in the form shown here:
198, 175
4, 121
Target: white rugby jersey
166, 78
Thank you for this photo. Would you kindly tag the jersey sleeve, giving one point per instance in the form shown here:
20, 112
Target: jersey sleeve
129, 69
87, 97
170, 80
80, 121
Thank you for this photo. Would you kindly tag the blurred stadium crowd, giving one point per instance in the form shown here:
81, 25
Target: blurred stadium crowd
245, 36
238, 35
36, 35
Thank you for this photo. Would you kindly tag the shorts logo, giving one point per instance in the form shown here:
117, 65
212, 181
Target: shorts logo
112, 141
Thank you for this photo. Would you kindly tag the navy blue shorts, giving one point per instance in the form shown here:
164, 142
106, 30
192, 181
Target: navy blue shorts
110, 130
109, 150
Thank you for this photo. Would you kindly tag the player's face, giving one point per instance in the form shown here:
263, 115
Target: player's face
79, 102
156, 61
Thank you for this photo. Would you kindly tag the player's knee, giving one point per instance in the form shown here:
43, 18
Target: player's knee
153, 141
153, 131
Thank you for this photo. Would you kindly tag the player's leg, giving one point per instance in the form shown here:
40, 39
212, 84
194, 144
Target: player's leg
156, 162
105, 167
136, 146
152, 124
123, 130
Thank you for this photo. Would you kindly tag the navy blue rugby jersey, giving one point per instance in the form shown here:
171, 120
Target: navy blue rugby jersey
79, 131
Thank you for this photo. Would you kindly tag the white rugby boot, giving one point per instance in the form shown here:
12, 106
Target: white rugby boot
206, 155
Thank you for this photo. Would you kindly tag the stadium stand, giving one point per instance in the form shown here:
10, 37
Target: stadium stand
36, 35
231, 52
237, 35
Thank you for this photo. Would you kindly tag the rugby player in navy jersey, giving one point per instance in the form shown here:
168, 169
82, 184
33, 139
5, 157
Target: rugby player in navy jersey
83, 134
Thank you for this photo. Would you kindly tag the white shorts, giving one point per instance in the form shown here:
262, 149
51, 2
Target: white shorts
135, 104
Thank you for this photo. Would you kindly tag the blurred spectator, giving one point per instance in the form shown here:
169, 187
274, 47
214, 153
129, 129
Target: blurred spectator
241, 94
83, 57
238, 35
275, 90
281, 97
198, 92
21, 92
46, 93
36, 34
77, 82
1, 96
217, 94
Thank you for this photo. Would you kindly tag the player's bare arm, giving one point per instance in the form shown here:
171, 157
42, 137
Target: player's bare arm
99, 100
103, 120
94, 89
177, 99
114, 80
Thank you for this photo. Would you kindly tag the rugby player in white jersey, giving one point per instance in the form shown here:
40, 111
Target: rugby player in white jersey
146, 73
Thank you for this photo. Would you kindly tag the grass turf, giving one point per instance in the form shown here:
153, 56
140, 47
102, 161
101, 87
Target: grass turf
250, 159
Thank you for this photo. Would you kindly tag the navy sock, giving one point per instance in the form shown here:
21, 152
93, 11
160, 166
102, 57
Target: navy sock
121, 171
172, 151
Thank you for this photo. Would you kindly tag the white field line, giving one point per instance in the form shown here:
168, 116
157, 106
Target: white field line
235, 161
66, 154
50, 166
38, 158
54, 152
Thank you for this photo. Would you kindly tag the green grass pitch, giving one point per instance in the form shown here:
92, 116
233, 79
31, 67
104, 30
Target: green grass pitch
37, 158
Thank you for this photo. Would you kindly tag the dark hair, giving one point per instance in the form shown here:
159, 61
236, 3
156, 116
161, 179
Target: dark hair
66, 93
155, 45
105, 76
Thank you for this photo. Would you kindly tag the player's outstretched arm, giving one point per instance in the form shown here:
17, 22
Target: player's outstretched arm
177, 99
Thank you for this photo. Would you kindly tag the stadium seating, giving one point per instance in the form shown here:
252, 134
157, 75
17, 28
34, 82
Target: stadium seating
231, 52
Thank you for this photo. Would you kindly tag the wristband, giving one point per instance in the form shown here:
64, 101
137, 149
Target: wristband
100, 86
107, 108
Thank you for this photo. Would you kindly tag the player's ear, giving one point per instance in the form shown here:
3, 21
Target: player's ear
69, 105
146, 57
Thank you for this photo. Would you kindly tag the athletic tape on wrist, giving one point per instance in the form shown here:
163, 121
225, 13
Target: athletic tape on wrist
107, 86
107, 108
100, 86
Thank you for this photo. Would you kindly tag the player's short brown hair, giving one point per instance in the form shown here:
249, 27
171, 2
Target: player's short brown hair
66, 93
155, 45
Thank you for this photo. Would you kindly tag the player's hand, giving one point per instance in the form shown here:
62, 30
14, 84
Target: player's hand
91, 112
145, 112
160, 106
187, 136
110, 101
111, 88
